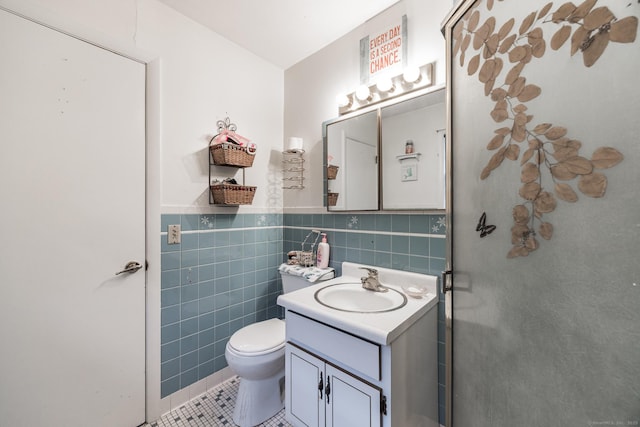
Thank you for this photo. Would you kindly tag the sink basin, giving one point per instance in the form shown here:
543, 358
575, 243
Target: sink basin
352, 297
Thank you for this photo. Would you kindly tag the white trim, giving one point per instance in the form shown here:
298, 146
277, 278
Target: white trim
389, 233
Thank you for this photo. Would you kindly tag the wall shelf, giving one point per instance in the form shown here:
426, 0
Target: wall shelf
415, 156
293, 169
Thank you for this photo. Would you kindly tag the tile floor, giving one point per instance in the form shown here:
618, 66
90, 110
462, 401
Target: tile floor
213, 408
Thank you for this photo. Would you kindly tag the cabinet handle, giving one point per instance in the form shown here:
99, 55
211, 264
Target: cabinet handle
328, 390
320, 386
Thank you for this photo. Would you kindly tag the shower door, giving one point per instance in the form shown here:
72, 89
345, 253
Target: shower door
544, 213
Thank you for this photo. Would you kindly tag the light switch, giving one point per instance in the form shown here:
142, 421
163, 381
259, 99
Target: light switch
173, 234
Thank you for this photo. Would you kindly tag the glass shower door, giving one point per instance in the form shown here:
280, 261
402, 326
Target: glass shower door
544, 213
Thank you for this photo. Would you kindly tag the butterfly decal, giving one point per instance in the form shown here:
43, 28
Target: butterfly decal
482, 226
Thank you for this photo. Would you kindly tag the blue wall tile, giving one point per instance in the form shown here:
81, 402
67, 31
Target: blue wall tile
223, 275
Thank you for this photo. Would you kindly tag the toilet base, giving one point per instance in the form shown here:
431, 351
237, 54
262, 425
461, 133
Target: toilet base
259, 400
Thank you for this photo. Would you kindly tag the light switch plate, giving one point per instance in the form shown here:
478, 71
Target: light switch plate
173, 234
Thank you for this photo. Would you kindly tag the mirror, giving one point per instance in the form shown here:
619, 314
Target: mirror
413, 153
408, 136
351, 169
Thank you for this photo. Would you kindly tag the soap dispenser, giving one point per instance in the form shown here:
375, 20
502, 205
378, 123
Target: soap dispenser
322, 260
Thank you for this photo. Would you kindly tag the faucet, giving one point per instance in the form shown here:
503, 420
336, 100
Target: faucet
370, 282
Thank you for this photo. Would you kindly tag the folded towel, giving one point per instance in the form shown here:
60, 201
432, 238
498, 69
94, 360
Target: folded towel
311, 274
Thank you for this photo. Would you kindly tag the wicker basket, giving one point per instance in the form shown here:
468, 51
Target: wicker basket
226, 154
332, 171
231, 194
332, 198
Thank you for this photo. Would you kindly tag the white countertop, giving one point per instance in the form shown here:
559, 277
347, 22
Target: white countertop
381, 328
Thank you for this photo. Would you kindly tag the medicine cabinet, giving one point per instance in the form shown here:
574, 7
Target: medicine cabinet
390, 157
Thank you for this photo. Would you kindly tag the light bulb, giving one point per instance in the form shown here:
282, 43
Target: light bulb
385, 85
363, 93
411, 75
343, 100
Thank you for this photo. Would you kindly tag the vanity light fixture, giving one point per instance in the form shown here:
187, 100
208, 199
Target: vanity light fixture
386, 88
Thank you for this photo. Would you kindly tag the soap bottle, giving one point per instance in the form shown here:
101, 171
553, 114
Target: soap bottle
322, 260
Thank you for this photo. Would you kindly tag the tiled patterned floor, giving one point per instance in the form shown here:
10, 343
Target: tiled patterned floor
214, 408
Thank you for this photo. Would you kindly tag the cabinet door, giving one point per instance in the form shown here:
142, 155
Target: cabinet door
350, 402
305, 398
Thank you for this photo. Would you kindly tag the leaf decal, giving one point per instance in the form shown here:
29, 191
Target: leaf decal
579, 38
513, 74
560, 37
494, 162
581, 11
527, 23
516, 87
530, 191
483, 32
546, 230
513, 152
474, 20
597, 18
545, 202
579, 165
520, 215
519, 231
563, 12
561, 171
606, 157
529, 173
486, 71
543, 12
527, 155
506, 44
556, 132
529, 92
496, 142
624, 30
506, 28
593, 185
517, 54
498, 94
595, 49
517, 251
541, 128
473, 65
566, 193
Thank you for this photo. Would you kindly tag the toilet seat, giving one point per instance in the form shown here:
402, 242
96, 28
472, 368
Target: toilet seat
258, 338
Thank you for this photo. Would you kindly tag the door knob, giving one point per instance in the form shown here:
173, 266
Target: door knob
131, 267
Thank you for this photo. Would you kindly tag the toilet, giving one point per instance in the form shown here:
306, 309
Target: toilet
255, 354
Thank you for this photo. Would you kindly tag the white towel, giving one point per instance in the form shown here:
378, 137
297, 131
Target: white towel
311, 274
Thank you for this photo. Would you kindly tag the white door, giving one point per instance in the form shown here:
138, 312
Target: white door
304, 388
72, 176
361, 177
350, 401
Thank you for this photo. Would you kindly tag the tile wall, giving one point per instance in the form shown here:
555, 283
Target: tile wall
223, 275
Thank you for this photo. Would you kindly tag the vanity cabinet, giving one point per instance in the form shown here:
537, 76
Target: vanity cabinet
321, 394
335, 378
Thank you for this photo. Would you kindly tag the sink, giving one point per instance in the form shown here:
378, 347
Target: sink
352, 297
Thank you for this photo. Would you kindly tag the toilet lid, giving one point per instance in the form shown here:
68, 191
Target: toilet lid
259, 337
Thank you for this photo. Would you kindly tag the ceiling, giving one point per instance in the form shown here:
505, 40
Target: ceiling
282, 32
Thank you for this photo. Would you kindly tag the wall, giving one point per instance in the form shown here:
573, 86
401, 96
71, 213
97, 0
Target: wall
403, 241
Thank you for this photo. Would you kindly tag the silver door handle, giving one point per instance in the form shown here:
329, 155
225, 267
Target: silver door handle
131, 267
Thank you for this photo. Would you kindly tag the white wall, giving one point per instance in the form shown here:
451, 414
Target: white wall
204, 78
311, 85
